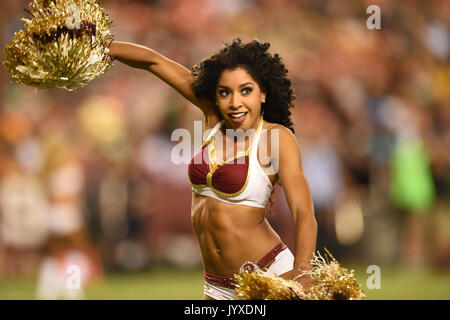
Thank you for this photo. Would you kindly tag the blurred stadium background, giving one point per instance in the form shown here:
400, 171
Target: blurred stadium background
86, 177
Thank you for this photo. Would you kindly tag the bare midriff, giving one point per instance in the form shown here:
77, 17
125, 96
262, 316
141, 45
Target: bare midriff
230, 235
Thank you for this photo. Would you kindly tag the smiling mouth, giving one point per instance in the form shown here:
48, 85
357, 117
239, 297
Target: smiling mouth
238, 116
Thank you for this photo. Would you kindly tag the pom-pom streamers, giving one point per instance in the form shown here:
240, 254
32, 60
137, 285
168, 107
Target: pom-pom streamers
331, 282
64, 44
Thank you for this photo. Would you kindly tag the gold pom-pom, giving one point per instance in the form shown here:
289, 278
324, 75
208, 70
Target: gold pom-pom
63, 45
257, 284
331, 282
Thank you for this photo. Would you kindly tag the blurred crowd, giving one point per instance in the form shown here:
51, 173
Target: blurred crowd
86, 177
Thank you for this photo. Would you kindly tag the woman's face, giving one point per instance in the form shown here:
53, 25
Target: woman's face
239, 99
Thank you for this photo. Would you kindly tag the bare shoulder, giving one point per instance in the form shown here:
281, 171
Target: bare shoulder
278, 148
277, 141
284, 134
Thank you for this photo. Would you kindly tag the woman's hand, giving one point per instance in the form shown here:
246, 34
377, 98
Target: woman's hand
305, 280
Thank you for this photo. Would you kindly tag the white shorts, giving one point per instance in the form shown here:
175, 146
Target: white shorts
283, 263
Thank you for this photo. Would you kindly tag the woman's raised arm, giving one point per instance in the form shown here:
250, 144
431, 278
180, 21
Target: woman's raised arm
174, 74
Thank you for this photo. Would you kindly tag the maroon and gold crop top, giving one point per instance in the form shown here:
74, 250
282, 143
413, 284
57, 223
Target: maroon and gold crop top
238, 180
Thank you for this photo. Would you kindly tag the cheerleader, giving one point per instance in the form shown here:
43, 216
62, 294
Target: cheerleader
245, 87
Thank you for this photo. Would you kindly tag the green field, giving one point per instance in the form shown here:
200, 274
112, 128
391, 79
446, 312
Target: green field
176, 284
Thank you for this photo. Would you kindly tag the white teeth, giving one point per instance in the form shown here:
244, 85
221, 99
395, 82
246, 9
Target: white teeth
237, 115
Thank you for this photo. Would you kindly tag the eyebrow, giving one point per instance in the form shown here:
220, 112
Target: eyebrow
242, 85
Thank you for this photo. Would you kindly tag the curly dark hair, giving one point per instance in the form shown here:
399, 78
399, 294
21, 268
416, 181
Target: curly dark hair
268, 71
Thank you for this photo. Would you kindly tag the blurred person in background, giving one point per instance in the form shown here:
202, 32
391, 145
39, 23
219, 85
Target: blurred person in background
23, 203
412, 185
323, 168
68, 245
243, 87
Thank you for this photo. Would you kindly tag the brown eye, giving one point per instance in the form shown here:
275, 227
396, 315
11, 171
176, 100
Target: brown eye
223, 93
247, 90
